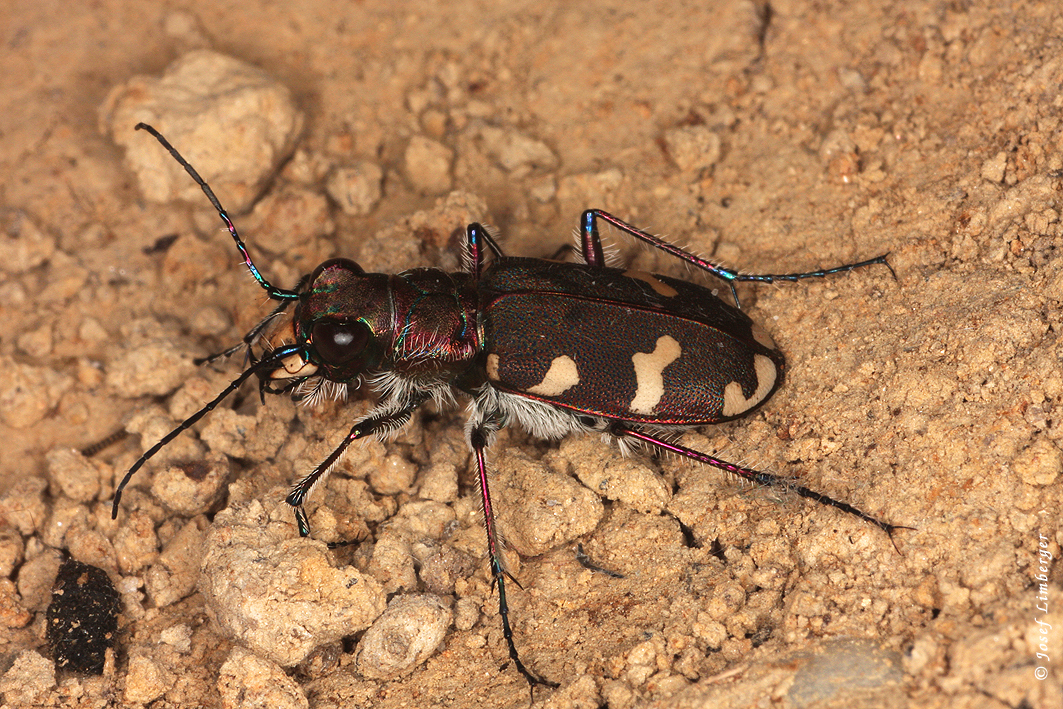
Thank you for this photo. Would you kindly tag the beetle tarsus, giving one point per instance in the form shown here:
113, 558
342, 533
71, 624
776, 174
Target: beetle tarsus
756, 476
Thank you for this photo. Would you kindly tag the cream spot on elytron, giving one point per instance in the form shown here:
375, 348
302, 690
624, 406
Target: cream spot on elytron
733, 401
649, 373
561, 377
661, 288
492, 367
761, 335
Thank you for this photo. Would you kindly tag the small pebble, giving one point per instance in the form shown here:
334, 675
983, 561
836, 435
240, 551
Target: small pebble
693, 147
403, 637
356, 187
428, 165
28, 679
146, 679
247, 681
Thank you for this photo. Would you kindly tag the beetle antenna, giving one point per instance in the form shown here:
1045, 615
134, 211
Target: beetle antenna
273, 291
270, 360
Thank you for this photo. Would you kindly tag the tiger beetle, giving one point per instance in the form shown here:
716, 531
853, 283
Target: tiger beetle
554, 347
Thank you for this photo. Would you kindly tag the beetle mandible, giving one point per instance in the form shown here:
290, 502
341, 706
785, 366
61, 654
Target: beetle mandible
685, 358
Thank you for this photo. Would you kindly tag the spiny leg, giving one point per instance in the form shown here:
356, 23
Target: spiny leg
594, 256
756, 476
478, 438
378, 424
477, 238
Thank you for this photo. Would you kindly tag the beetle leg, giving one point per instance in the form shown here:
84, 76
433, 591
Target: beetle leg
479, 435
755, 476
594, 256
385, 420
476, 239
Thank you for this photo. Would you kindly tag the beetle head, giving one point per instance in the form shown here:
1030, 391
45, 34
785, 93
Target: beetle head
338, 323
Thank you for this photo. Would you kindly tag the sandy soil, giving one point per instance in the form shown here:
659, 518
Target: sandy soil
777, 137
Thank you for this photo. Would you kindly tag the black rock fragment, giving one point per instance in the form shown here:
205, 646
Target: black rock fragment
82, 617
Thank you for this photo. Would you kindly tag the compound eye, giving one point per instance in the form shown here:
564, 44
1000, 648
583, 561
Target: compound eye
338, 342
